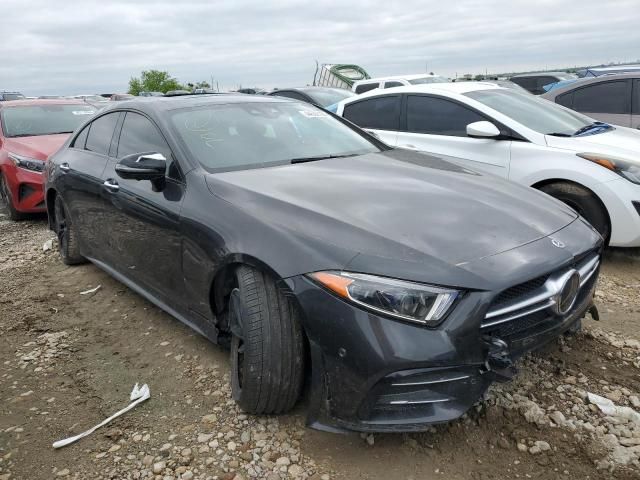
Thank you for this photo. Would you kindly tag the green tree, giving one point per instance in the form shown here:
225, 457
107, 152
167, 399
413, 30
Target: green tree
153, 81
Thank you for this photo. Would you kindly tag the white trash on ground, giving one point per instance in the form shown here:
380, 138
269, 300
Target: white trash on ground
138, 395
609, 408
92, 290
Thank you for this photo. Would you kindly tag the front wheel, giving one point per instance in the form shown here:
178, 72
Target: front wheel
267, 348
5, 195
67, 234
584, 202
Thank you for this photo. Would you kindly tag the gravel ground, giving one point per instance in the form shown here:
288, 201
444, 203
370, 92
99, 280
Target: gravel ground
67, 361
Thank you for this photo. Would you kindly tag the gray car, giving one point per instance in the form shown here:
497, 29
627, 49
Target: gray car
610, 98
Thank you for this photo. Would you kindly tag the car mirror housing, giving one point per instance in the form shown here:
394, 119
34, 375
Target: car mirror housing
142, 166
482, 129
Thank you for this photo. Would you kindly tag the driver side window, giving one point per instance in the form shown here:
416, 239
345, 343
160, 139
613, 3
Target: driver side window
139, 135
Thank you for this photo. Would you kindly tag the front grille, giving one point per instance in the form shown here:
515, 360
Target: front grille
528, 304
519, 290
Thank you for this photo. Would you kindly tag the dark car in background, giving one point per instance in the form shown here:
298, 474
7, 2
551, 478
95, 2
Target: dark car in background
613, 98
6, 96
402, 283
319, 96
30, 131
535, 82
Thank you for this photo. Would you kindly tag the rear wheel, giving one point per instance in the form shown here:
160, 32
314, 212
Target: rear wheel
67, 235
7, 199
582, 201
267, 349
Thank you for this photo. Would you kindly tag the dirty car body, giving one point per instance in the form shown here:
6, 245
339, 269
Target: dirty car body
507, 268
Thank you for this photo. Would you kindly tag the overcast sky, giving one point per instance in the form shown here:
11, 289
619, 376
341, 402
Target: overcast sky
73, 47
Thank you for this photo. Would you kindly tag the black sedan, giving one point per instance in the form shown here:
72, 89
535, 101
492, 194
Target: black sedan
402, 283
319, 96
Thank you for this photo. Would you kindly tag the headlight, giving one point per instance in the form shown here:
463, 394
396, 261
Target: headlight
27, 163
622, 167
415, 302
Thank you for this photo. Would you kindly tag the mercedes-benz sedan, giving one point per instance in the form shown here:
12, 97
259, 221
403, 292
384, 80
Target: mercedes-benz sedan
402, 284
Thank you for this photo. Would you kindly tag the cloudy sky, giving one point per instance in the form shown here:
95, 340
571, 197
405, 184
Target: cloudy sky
68, 46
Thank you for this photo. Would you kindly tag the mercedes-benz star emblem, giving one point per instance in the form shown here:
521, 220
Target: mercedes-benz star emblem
557, 243
567, 295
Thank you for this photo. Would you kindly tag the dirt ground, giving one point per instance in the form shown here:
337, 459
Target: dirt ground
67, 361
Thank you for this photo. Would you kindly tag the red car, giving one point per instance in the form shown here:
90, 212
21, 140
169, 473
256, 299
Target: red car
30, 131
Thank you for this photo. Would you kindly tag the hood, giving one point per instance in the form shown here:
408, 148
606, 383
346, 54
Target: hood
397, 204
39, 147
621, 142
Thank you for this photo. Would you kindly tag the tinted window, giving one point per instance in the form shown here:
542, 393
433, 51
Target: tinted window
438, 116
382, 113
81, 139
290, 94
636, 97
101, 132
139, 135
239, 136
365, 87
525, 82
566, 99
543, 81
392, 84
605, 97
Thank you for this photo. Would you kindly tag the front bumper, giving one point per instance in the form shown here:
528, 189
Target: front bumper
619, 196
27, 189
371, 373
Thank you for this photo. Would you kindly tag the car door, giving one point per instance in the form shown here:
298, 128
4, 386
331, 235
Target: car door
80, 171
608, 101
379, 115
635, 111
439, 125
145, 241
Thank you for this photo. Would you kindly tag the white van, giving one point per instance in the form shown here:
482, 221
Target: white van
362, 86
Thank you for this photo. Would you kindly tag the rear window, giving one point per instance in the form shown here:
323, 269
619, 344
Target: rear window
365, 87
34, 120
606, 97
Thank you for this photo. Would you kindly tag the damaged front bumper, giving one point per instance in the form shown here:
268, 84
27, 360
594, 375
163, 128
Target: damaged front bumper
371, 373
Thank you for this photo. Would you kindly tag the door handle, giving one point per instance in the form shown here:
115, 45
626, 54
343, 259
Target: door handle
65, 167
111, 185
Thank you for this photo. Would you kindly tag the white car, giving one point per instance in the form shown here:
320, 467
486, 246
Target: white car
591, 166
362, 86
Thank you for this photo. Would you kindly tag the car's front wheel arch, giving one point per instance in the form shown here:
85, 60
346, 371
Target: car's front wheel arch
557, 187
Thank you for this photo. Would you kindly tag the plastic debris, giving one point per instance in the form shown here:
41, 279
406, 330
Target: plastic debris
138, 395
92, 290
609, 408
48, 245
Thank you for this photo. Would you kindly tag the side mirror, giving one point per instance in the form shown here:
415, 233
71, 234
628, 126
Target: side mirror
482, 129
142, 166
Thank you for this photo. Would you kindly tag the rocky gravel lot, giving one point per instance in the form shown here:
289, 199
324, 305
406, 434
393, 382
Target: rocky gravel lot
67, 361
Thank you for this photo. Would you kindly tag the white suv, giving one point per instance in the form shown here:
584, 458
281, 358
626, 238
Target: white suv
592, 166
363, 86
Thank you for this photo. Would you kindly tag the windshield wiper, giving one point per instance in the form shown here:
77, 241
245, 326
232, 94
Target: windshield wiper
321, 157
58, 133
593, 126
557, 134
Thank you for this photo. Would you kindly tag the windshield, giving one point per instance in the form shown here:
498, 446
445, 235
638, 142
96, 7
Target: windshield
43, 119
429, 79
535, 113
324, 98
250, 135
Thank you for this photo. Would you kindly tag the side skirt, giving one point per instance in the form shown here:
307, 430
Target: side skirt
210, 334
